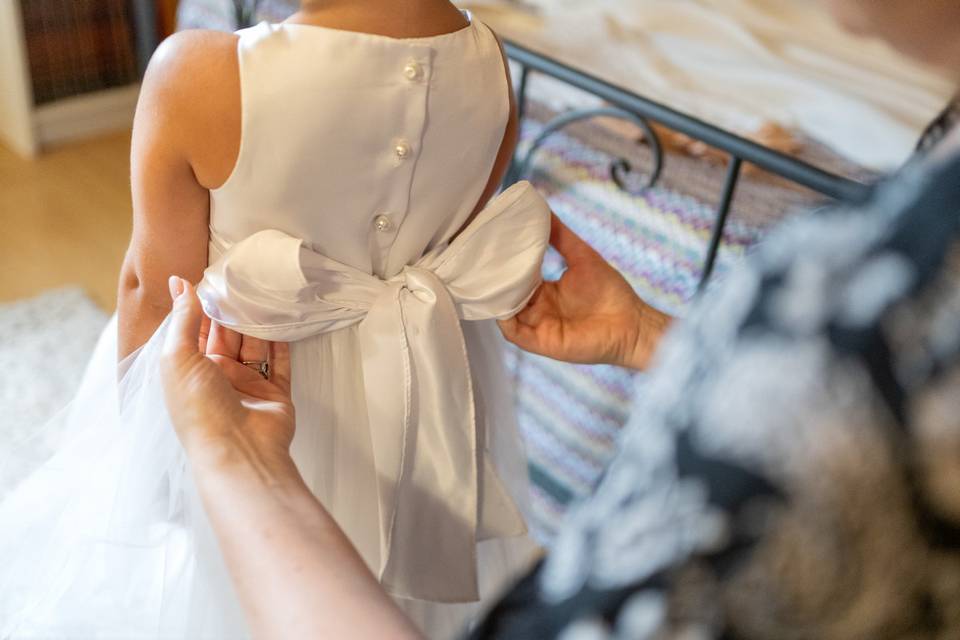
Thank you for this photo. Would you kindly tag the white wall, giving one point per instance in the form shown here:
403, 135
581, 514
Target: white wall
17, 128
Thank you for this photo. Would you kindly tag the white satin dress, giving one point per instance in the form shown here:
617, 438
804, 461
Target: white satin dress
344, 229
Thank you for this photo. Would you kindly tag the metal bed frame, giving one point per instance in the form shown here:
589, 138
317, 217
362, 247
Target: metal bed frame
641, 111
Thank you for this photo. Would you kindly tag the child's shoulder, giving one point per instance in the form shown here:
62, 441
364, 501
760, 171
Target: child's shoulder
191, 95
191, 57
191, 42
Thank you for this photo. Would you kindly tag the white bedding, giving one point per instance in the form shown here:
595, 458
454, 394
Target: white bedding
740, 64
736, 63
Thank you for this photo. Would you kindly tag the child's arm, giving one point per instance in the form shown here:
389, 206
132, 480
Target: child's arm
185, 141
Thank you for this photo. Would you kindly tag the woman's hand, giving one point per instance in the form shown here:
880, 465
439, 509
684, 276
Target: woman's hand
223, 410
295, 572
590, 315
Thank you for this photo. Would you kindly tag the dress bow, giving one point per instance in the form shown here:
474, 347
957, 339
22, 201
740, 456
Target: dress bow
416, 371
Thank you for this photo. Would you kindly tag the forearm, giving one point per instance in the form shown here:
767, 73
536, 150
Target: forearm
139, 313
296, 573
143, 299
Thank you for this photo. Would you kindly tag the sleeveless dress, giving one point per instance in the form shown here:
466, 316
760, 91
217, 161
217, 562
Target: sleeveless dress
345, 229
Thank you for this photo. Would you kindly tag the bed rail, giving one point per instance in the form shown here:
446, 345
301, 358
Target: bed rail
641, 111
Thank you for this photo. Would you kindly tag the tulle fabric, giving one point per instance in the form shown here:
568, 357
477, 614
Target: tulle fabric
107, 539
333, 451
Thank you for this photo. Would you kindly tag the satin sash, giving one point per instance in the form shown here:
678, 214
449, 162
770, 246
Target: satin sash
416, 370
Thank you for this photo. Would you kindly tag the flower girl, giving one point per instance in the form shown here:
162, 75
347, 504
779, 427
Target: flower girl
330, 181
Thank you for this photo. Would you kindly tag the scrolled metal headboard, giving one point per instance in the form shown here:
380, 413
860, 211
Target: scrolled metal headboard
641, 111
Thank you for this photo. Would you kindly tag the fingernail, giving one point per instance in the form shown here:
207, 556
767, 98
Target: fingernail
176, 286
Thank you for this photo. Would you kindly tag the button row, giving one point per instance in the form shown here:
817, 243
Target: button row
412, 71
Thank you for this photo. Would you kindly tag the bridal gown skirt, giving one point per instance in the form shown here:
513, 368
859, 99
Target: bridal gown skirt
107, 538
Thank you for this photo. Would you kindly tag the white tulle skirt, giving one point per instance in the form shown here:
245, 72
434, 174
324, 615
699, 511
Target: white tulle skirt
108, 539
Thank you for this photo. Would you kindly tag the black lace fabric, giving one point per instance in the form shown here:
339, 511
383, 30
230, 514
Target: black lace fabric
939, 128
791, 469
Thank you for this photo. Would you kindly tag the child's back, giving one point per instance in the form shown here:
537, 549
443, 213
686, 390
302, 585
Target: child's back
375, 151
369, 148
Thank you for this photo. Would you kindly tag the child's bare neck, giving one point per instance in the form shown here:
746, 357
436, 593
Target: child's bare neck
393, 18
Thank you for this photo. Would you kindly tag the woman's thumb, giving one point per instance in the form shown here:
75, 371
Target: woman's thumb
184, 330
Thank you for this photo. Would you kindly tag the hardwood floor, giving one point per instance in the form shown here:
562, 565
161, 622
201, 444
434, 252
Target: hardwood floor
65, 219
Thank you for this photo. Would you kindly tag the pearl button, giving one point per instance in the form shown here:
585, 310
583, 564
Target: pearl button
411, 71
402, 150
382, 223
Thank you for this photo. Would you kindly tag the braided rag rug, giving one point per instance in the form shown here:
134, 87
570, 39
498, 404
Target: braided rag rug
570, 415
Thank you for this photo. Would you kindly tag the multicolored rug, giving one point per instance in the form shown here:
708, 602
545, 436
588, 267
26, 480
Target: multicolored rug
571, 415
